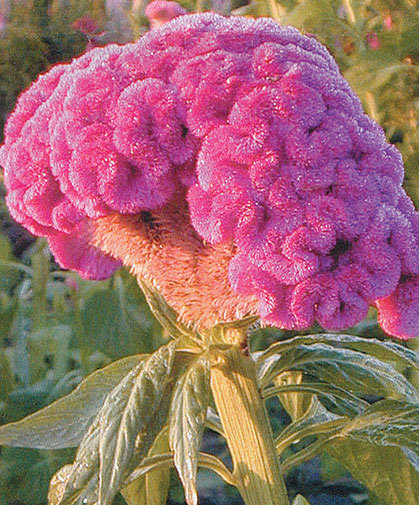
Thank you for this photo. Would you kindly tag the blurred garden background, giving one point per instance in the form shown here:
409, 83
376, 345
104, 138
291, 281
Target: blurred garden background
56, 328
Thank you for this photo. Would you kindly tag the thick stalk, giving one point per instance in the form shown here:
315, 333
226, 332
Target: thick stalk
247, 430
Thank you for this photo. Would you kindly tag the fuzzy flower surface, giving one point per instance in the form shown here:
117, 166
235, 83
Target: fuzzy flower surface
251, 128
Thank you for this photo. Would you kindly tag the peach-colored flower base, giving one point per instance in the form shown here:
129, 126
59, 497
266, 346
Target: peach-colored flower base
161, 247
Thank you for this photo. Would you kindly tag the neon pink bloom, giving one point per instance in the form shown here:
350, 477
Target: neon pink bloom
274, 148
373, 41
388, 22
160, 12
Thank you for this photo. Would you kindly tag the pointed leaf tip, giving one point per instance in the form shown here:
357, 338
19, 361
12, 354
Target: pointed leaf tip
300, 500
58, 484
64, 423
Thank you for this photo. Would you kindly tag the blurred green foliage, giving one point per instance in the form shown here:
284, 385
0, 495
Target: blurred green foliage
56, 328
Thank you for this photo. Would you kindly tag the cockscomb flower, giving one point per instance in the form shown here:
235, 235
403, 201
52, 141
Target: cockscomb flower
227, 161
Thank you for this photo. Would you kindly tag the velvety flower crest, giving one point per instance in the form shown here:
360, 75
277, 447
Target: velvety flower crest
255, 125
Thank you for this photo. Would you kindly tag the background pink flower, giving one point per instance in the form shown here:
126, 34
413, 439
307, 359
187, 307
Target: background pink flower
160, 12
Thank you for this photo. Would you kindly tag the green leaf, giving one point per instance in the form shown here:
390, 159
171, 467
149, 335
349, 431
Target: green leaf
187, 423
295, 403
213, 422
7, 381
350, 370
64, 422
388, 423
307, 11
58, 483
82, 481
8, 312
346, 403
136, 320
386, 471
409, 43
205, 460
300, 500
316, 420
153, 487
386, 351
40, 260
379, 447
320, 17
381, 450
374, 72
50, 340
133, 406
6, 251
82, 486
65, 386
104, 332
125, 324
10, 270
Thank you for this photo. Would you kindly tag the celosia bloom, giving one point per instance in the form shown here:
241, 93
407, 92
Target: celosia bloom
226, 158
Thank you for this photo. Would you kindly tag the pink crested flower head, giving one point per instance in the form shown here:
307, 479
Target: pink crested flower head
229, 139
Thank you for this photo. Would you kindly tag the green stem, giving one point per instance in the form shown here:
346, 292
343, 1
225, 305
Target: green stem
351, 14
40, 269
247, 430
162, 460
305, 454
79, 330
213, 422
331, 426
274, 8
17, 266
318, 389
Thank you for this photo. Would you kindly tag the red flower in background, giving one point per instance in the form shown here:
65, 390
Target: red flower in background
161, 12
86, 25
